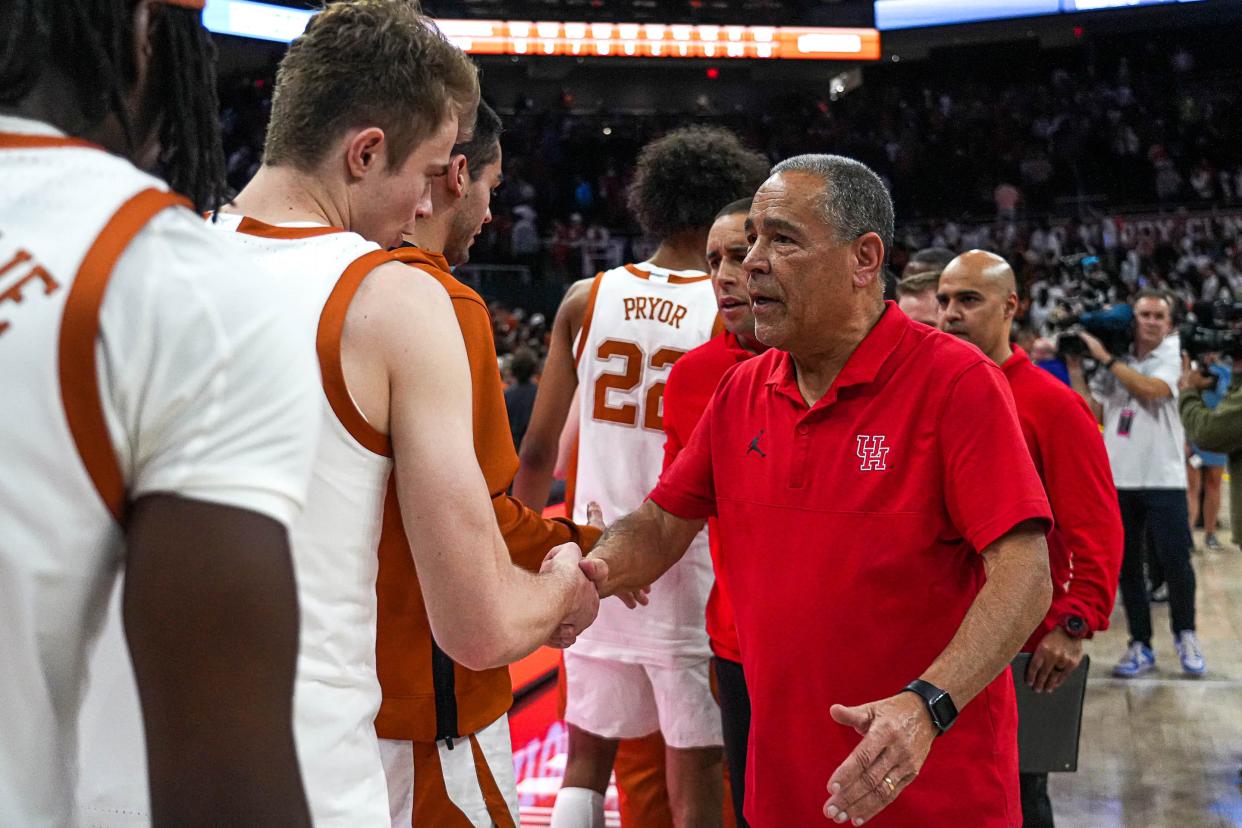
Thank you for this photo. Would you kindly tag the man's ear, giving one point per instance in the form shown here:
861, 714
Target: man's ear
1011, 306
365, 151
458, 176
868, 259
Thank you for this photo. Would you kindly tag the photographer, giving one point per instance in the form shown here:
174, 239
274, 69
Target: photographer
1134, 396
1214, 429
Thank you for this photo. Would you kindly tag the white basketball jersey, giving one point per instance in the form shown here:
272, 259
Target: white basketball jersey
640, 319
334, 542
101, 296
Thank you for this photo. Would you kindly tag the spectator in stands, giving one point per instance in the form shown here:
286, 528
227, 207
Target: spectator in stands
524, 238
978, 298
1007, 198
520, 397
916, 292
1134, 395
1205, 470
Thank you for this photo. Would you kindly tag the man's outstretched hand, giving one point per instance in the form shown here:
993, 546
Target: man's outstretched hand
897, 735
596, 569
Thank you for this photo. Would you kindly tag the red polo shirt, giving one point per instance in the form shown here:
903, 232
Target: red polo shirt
849, 537
1085, 546
689, 389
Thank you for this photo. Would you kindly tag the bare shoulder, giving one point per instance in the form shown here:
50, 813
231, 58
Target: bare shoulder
397, 303
574, 305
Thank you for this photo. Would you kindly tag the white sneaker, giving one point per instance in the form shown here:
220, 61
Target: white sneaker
1138, 659
1188, 651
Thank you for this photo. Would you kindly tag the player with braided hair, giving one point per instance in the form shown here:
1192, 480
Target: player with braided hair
162, 421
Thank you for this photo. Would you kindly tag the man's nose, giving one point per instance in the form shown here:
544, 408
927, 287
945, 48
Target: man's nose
423, 209
756, 261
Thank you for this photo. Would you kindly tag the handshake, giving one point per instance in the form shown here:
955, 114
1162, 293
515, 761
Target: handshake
587, 577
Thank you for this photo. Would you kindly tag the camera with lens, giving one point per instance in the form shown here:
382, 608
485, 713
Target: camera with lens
1213, 327
1092, 309
1113, 325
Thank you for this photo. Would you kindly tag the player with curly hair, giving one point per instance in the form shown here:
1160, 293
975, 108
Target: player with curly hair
642, 671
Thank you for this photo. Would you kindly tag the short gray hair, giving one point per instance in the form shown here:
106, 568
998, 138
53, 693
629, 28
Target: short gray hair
854, 199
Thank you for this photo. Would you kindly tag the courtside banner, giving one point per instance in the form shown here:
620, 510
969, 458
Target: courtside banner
530, 38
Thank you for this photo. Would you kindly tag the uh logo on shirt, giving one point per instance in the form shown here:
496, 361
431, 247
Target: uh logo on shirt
872, 452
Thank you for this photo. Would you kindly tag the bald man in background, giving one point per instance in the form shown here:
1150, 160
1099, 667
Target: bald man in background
916, 292
977, 298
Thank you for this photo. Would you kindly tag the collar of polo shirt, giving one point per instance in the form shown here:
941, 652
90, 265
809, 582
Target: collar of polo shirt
862, 367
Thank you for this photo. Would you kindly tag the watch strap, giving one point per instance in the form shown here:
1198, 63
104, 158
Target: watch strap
939, 703
1075, 626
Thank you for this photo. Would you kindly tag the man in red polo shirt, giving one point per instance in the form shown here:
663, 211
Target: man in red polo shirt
881, 526
978, 298
690, 386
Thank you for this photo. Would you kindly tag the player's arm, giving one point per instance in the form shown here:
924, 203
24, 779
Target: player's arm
528, 535
217, 424
567, 444
484, 611
556, 391
211, 619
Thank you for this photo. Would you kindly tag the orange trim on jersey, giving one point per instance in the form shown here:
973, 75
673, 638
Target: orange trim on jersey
673, 278
717, 326
254, 227
432, 805
328, 347
17, 140
586, 319
571, 480
497, 808
79, 329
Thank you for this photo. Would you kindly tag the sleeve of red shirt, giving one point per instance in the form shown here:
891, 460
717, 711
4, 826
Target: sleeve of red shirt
990, 482
687, 488
1080, 487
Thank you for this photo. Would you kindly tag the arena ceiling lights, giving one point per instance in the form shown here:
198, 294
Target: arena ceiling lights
245, 18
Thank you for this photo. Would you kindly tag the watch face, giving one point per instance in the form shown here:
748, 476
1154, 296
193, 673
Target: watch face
943, 711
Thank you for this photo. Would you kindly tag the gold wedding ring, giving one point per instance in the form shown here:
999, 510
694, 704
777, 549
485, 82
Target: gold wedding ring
892, 786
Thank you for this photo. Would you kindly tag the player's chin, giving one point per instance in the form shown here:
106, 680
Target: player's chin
736, 315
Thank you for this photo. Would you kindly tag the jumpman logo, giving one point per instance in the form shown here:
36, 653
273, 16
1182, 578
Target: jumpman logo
754, 445
872, 452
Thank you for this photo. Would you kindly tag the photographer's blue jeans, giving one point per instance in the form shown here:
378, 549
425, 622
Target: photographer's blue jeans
1162, 513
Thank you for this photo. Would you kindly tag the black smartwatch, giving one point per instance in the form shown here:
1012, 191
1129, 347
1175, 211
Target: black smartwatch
1075, 626
939, 704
